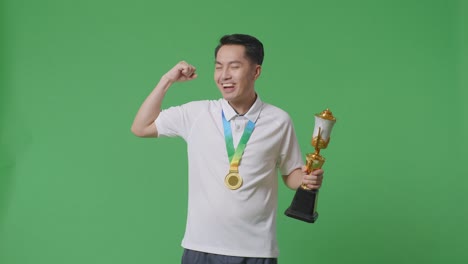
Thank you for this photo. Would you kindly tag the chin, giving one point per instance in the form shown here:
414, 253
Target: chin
228, 96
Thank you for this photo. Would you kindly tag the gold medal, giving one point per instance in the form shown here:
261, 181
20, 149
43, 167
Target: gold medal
233, 180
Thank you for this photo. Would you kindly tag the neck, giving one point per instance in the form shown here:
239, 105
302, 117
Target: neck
243, 107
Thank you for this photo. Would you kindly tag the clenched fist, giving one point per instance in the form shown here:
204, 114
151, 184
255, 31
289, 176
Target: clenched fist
181, 72
312, 180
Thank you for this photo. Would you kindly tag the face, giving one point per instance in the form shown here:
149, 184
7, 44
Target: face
235, 74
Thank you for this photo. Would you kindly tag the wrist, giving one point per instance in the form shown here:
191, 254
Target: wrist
164, 83
166, 80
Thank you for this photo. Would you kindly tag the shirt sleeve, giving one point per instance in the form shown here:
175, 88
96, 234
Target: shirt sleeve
290, 153
177, 121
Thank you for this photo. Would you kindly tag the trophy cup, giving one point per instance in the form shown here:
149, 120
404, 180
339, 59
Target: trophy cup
304, 204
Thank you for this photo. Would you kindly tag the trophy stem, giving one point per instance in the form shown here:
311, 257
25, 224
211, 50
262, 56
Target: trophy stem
315, 161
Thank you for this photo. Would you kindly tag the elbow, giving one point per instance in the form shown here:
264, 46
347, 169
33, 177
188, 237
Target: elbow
140, 131
137, 131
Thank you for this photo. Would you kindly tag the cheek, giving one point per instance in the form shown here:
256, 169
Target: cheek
242, 75
249, 75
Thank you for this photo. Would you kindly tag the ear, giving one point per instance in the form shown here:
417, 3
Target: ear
258, 71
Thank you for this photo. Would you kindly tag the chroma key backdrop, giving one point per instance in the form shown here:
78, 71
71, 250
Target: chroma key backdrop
76, 186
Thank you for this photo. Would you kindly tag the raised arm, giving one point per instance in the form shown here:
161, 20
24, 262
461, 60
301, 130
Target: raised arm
143, 124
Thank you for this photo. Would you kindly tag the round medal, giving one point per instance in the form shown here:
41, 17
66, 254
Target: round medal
233, 180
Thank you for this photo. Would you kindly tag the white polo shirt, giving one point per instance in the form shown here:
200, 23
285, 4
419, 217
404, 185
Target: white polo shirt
238, 222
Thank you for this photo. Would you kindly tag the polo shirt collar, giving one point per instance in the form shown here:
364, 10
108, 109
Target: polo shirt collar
252, 114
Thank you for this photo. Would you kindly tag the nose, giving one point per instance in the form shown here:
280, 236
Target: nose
226, 74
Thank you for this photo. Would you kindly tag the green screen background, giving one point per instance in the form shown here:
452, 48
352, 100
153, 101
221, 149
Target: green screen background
77, 187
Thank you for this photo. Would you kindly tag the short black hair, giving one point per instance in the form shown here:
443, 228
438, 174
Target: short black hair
253, 47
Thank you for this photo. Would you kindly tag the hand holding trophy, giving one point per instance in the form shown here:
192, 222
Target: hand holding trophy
304, 204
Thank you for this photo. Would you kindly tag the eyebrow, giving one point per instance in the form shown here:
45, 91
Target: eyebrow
231, 62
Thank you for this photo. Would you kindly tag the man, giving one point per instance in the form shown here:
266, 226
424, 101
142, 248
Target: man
236, 145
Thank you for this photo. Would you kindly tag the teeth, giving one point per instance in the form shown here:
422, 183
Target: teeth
228, 84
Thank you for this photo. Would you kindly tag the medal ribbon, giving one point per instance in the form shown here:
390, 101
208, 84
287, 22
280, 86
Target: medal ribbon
236, 155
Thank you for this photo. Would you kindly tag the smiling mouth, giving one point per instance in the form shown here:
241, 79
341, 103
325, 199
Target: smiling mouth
228, 85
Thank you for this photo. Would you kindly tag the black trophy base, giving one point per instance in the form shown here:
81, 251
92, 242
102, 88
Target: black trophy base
303, 206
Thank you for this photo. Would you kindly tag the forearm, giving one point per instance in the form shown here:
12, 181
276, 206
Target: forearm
294, 179
143, 124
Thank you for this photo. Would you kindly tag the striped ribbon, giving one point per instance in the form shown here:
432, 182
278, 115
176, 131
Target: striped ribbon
235, 155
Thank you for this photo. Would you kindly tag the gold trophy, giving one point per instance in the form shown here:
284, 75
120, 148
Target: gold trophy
304, 204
